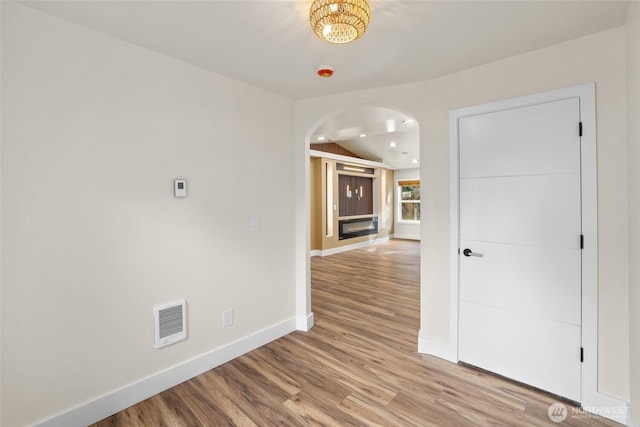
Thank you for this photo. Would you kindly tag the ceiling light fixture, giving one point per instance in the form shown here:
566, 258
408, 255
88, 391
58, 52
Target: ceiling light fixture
362, 135
392, 144
320, 138
339, 21
414, 161
353, 169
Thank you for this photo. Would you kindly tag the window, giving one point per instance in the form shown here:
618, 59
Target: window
409, 198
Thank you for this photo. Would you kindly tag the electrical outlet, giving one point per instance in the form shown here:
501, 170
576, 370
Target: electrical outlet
227, 318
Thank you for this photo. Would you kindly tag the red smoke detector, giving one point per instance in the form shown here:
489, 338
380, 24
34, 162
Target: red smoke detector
325, 71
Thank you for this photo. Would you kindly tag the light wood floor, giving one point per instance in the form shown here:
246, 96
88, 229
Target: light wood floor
357, 367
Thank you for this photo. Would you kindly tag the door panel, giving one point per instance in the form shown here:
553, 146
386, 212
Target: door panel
546, 283
539, 210
508, 340
521, 141
520, 208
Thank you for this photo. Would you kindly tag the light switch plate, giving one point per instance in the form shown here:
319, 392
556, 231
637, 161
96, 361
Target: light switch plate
227, 318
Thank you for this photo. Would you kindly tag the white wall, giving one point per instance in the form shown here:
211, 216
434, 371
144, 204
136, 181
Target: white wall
94, 130
599, 57
632, 31
405, 230
1, 136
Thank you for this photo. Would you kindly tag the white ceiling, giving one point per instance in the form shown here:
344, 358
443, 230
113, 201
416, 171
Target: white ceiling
270, 44
381, 127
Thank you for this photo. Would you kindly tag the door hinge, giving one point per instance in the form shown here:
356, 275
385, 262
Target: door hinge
581, 354
580, 128
582, 241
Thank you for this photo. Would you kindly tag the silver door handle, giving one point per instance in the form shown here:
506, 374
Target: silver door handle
469, 252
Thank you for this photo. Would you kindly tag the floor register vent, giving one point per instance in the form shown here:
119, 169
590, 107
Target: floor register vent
170, 323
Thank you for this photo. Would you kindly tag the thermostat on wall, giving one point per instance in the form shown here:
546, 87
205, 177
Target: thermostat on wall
180, 187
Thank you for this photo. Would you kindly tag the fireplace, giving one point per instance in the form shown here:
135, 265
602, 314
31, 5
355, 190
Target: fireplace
358, 227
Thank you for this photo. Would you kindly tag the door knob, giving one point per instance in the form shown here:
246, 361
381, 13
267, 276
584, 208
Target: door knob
469, 252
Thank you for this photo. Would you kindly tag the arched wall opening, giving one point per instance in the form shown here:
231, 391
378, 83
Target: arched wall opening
381, 125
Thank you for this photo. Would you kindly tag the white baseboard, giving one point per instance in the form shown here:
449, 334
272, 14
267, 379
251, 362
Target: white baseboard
305, 323
434, 347
631, 420
116, 401
332, 251
407, 236
609, 407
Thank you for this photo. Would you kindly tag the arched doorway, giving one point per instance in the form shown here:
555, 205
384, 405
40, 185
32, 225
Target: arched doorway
366, 140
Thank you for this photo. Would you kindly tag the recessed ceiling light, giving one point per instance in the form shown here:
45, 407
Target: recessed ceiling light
362, 135
407, 121
414, 161
392, 144
321, 138
390, 125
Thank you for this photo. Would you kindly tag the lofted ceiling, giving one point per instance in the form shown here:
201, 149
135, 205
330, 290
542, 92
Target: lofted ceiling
269, 43
390, 136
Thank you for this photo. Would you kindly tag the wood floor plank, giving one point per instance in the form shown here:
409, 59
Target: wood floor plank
347, 373
370, 414
314, 412
166, 409
211, 410
358, 366
214, 403
272, 384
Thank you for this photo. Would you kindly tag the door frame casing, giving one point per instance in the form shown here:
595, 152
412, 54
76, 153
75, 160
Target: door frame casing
590, 397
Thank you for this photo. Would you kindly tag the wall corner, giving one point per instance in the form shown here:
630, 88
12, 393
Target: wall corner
305, 323
434, 347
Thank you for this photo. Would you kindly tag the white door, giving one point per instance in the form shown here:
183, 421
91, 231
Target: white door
520, 245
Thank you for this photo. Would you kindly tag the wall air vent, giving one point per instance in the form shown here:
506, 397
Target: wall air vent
170, 323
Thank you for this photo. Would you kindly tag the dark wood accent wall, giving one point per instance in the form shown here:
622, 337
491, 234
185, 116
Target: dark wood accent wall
354, 206
333, 148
